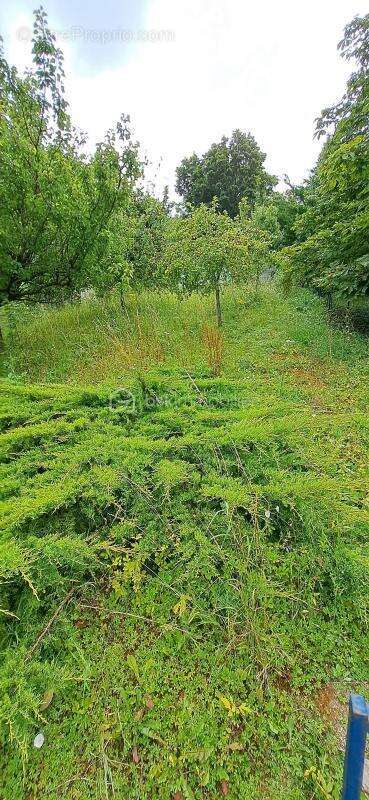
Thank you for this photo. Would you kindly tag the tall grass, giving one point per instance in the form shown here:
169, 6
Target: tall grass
213, 343
93, 341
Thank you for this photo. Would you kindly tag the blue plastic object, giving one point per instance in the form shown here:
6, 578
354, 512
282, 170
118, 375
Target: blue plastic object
357, 729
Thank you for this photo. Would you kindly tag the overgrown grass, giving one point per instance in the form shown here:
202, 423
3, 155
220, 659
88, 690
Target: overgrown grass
183, 549
94, 341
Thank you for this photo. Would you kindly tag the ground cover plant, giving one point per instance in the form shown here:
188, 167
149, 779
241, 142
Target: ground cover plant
183, 546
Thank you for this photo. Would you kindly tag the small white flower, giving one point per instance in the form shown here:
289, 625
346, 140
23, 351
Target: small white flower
267, 514
277, 509
38, 740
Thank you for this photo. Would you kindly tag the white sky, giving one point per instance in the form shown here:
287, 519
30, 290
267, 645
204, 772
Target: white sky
268, 67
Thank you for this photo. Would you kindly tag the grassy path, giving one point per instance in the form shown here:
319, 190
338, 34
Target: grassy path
210, 534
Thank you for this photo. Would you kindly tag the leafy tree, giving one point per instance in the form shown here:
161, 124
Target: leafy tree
265, 218
204, 250
349, 118
286, 207
133, 247
56, 203
230, 170
167, 204
333, 231
263, 235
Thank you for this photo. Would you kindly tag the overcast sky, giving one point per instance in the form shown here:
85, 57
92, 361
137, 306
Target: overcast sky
189, 71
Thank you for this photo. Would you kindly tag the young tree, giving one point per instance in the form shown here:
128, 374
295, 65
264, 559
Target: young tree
55, 203
230, 170
205, 250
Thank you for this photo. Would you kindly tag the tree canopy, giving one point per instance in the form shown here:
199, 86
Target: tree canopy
230, 170
71, 218
57, 202
333, 230
205, 249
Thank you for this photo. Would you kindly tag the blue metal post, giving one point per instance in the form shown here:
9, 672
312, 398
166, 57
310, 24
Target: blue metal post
357, 728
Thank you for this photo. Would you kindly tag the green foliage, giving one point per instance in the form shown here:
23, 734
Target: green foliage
184, 521
205, 249
132, 249
350, 114
265, 217
57, 203
230, 170
180, 574
333, 254
278, 216
263, 235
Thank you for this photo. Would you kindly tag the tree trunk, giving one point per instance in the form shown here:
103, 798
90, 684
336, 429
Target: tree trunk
122, 300
123, 304
329, 301
217, 305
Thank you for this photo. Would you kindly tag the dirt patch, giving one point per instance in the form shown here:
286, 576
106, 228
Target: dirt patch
333, 710
308, 377
314, 373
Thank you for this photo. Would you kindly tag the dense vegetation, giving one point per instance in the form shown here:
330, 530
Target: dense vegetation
184, 458
232, 170
199, 528
333, 230
72, 219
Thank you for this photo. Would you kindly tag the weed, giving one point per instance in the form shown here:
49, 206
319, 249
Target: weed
213, 343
